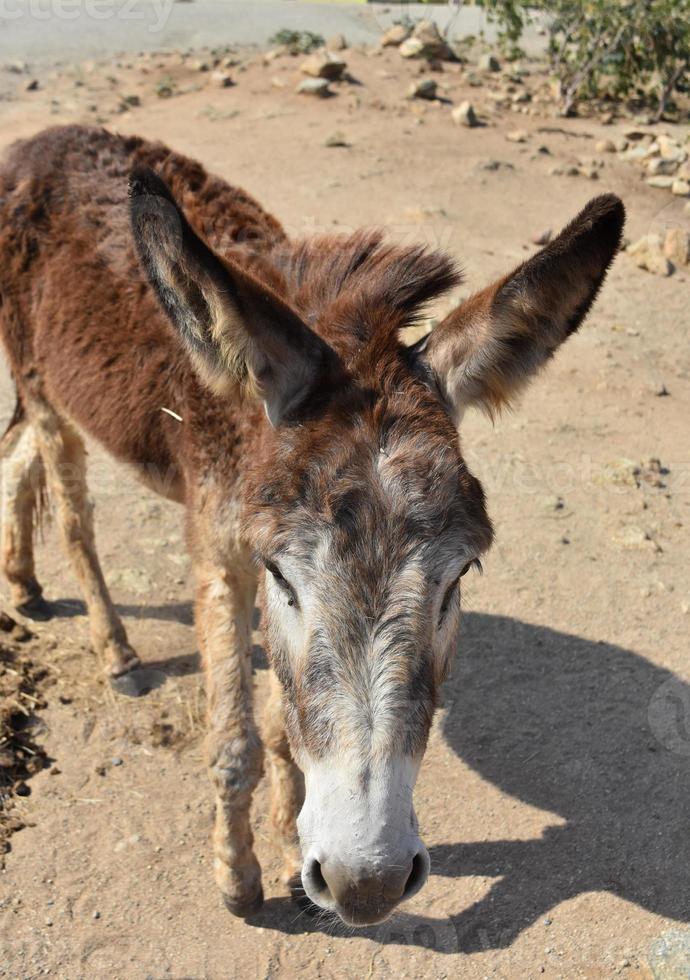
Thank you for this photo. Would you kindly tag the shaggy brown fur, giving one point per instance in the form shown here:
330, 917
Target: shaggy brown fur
361, 448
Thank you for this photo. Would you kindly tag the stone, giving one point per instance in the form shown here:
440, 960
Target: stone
464, 115
221, 79
542, 237
336, 43
411, 48
517, 136
322, 64
681, 188
635, 538
605, 146
620, 144
663, 183
635, 153
659, 166
131, 100
648, 253
423, 88
314, 86
336, 140
669, 955
32, 85
677, 246
489, 62
395, 36
199, 65
434, 44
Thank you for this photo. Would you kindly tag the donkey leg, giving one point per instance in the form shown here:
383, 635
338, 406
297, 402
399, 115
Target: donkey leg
64, 457
22, 486
287, 787
224, 605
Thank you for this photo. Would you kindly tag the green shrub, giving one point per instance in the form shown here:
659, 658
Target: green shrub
297, 42
614, 47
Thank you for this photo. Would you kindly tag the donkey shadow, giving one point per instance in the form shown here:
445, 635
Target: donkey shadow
594, 734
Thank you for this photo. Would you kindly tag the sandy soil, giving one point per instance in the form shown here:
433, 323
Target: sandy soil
555, 795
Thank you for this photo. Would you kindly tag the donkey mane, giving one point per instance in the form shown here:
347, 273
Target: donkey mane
354, 289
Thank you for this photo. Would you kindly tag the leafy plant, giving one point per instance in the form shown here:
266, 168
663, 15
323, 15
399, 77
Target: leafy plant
297, 42
614, 46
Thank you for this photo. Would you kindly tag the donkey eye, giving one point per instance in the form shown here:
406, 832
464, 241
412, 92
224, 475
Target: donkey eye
282, 582
448, 597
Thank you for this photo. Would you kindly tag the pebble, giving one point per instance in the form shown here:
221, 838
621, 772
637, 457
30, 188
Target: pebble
116, 761
322, 64
657, 165
542, 237
423, 88
648, 253
336, 43
517, 136
32, 85
433, 44
314, 86
335, 140
489, 62
96, 915
395, 36
221, 79
606, 146
411, 48
663, 183
677, 246
464, 115
681, 188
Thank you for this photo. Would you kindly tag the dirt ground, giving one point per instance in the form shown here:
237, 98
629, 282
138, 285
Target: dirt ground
555, 794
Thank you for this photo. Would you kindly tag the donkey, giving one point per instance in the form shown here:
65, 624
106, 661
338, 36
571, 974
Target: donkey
315, 454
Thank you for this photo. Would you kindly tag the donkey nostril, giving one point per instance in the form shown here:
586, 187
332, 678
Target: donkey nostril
317, 881
418, 875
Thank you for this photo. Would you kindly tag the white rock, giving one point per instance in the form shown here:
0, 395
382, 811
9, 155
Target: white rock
663, 183
681, 188
314, 86
517, 136
488, 62
411, 48
423, 88
395, 36
677, 246
464, 115
323, 64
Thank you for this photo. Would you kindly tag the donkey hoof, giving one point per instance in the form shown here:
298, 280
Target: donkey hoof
36, 608
243, 908
138, 682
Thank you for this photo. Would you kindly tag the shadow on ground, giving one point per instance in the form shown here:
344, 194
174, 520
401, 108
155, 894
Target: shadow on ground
593, 733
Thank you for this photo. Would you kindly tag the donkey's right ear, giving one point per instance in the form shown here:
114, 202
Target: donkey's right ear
235, 328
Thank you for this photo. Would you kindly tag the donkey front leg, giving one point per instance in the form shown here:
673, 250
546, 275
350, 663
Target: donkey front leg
64, 457
287, 787
225, 602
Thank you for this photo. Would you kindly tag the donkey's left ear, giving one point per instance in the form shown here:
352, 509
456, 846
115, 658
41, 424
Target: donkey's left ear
489, 348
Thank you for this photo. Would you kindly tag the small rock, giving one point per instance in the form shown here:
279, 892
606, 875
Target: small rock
434, 46
620, 144
336, 43
96, 915
635, 153
314, 86
659, 166
663, 183
131, 100
648, 253
199, 65
489, 62
423, 88
322, 64
221, 79
32, 85
464, 115
542, 237
677, 246
116, 761
395, 36
632, 537
590, 171
336, 139
681, 188
517, 136
411, 48
606, 146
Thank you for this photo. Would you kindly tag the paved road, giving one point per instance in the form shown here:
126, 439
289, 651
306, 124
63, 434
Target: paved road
58, 30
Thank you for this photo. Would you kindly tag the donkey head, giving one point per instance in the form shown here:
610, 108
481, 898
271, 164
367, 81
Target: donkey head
360, 506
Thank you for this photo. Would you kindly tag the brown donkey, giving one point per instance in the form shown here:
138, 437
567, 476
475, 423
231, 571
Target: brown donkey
315, 454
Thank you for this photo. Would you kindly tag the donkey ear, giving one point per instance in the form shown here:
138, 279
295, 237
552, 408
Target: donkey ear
236, 329
489, 348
